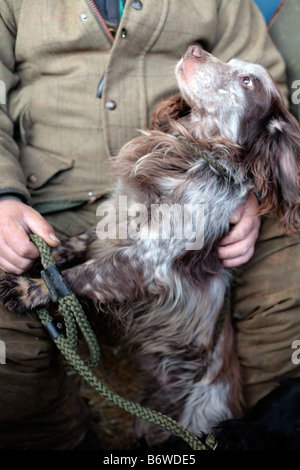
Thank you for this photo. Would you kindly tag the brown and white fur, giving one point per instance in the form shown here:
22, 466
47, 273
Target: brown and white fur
168, 297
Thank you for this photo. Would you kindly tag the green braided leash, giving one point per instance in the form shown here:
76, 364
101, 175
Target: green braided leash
73, 314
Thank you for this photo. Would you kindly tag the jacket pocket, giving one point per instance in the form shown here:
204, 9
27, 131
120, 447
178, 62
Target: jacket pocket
43, 169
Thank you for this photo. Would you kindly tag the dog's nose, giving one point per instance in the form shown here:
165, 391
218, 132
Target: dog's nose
196, 51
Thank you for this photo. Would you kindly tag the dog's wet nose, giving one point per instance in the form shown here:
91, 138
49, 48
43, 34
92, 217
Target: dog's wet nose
196, 51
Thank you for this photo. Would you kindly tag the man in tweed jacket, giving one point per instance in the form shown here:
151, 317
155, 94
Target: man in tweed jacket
79, 81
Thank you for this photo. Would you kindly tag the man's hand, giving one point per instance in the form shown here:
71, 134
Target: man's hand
17, 221
238, 246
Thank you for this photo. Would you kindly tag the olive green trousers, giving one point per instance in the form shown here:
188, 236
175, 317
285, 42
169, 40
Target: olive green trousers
266, 310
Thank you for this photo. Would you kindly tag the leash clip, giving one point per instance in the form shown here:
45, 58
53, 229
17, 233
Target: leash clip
55, 283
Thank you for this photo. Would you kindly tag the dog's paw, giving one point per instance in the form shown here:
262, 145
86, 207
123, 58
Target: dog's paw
21, 294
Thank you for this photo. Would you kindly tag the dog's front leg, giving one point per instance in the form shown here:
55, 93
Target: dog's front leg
73, 250
21, 294
101, 281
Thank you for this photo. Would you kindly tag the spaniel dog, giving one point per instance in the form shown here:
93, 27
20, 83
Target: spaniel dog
151, 261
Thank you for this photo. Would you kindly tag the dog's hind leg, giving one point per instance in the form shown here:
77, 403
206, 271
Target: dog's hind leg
218, 395
161, 390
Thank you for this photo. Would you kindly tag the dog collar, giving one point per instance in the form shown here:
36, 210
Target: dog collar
204, 155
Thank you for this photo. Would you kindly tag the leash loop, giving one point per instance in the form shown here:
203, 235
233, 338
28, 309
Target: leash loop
70, 308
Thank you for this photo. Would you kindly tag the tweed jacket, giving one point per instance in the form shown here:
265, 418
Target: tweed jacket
75, 93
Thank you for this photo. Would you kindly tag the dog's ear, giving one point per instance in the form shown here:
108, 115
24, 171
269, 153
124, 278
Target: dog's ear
273, 162
168, 111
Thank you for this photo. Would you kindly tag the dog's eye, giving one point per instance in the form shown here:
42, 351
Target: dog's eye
247, 81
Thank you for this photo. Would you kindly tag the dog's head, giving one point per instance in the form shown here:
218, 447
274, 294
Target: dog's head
240, 101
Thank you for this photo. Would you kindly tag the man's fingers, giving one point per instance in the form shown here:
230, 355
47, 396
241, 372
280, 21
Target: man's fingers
239, 232
237, 247
37, 225
241, 249
19, 244
15, 265
18, 221
239, 260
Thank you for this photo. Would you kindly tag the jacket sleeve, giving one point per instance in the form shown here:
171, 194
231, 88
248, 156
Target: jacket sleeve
242, 33
12, 180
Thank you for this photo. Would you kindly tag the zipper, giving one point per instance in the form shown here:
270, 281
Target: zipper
101, 20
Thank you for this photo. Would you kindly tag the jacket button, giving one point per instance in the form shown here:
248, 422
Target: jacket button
124, 33
32, 178
83, 17
110, 105
137, 5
